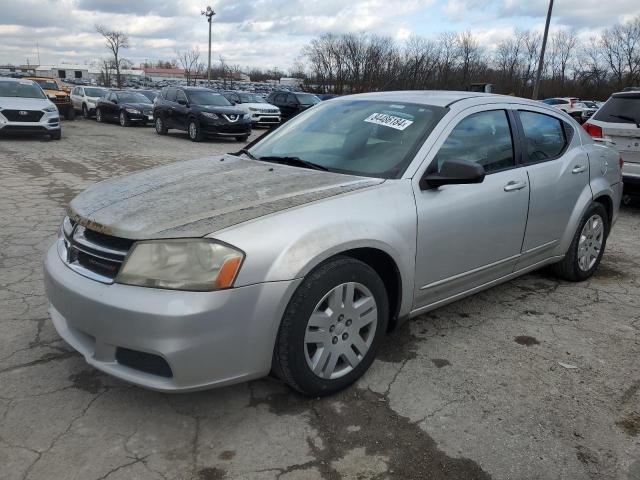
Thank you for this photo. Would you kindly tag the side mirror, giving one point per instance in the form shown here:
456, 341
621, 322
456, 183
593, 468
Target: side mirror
454, 172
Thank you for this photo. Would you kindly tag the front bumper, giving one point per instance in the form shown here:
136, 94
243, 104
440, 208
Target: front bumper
207, 338
265, 119
219, 129
48, 123
140, 117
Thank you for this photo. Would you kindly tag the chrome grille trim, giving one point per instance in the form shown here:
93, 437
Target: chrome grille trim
73, 242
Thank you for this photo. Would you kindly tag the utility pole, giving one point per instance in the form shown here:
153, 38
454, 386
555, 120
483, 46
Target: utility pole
536, 86
209, 13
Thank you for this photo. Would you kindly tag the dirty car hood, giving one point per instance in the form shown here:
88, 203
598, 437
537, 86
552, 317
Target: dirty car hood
198, 197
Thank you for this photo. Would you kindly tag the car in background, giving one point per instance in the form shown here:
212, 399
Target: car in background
85, 99
25, 109
124, 106
56, 92
262, 112
150, 94
570, 105
201, 113
617, 123
292, 103
588, 109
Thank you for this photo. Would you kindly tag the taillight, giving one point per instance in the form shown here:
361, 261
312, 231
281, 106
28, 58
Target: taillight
593, 130
620, 162
571, 102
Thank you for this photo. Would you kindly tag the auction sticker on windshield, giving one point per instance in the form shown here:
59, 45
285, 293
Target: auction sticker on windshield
388, 121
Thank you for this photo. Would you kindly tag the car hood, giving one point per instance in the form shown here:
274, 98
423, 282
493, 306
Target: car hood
138, 106
220, 109
199, 197
21, 103
262, 106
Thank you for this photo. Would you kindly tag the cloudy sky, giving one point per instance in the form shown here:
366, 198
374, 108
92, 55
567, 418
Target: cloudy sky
269, 33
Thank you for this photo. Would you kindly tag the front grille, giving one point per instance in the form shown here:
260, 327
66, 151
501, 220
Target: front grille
145, 362
91, 253
23, 115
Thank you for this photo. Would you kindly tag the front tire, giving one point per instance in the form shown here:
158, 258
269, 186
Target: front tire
85, 112
56, 134
194, 131
587, 247
124, 120
332, 327
243, 138
99, 117
70, 114
161, 126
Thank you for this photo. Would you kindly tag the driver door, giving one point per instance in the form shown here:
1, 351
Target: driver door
469, 235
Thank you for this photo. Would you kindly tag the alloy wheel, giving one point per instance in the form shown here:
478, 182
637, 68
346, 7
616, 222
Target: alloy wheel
123, 119
85, 111
341, 330
159, 124
590, 242
193, 130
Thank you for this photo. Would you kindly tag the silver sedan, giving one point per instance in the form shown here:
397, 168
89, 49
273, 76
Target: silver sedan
296, 255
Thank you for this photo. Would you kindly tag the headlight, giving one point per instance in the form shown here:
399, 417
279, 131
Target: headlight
186, 264
51, 108
91, 103
132, 110
210, 115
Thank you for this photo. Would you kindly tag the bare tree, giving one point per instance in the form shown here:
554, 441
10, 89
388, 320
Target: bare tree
115, 40
189, 60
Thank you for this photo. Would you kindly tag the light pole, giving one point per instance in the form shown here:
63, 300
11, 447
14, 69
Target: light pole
536, 86
209, 13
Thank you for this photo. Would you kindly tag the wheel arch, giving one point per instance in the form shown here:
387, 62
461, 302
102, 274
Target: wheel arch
606, 201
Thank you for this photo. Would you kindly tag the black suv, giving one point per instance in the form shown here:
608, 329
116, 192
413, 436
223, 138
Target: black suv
124, 106
201, 112
292, 103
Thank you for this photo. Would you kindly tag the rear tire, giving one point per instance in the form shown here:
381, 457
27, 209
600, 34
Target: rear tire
332, 327
587, 247
161, 126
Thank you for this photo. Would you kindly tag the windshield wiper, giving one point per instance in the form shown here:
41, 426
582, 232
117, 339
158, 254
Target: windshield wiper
246, 152
294, 161
630, 119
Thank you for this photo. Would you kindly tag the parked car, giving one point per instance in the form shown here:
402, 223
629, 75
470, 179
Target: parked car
588, 109
292, 103
150, 94
326, 96
570, 105
618, 122
125, 107
261, 112
54, 89
297, 254
25, 109
85, 99
200, 112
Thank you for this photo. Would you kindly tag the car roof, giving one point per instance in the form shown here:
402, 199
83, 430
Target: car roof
627, 94
12, 79
438, 98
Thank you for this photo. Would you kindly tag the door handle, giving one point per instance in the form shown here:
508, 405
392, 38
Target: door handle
512, 186
579, 169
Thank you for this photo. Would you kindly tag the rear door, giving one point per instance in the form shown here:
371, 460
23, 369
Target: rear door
558, 171
170, 109
181, 112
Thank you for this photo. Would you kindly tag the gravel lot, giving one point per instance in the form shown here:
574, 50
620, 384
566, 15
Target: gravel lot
472, 390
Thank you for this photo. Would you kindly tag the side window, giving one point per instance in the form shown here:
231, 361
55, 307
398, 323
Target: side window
562, 102
171, 95
544, 136
291, 98
484, 138
80, 91
279, 98
180, 96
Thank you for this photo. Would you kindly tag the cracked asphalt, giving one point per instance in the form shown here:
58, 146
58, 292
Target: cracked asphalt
483, 388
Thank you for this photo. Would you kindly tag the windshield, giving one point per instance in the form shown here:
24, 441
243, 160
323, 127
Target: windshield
23, 89
625, 106
251, 98
47, 84
307, 99
362, 137
132, 97
204, 97
94, 92
149, 94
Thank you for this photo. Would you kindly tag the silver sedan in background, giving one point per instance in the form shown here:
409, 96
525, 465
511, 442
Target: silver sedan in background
297, 254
